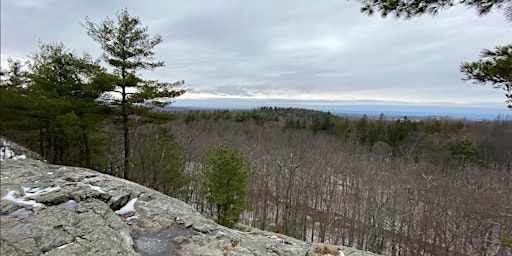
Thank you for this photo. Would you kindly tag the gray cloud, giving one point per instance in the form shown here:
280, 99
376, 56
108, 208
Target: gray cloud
281, 49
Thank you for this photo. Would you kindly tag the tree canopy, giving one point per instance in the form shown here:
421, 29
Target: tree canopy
412, 8
56, 98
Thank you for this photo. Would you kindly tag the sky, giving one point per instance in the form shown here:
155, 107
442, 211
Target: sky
289, 52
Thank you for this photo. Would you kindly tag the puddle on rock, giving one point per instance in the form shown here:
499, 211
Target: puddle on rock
160, 243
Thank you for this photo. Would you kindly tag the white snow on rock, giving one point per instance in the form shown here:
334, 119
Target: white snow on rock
128, 208
96, 188
278, 239
135, 217
23, 201
28, 192
64, 246
6, 152
20, 157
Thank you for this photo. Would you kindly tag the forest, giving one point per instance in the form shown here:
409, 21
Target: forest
394, 186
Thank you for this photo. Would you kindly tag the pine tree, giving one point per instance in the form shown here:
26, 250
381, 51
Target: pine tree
495, 67
128, 47
412, 8
225, 183
12, 102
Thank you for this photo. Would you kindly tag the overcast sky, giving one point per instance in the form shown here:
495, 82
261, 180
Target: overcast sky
322, 51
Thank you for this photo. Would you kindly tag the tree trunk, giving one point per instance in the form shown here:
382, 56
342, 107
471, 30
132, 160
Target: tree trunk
41, 142
124, 102
87, 150
126, 171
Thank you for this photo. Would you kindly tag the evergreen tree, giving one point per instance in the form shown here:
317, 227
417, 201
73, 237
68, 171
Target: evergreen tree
463, 149
12, 101
61, 98
128, 47
361, 129
377, 130
225, 183
316, 124
14, 76
495, 67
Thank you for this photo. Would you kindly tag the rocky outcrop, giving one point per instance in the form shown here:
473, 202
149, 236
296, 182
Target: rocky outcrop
59, 210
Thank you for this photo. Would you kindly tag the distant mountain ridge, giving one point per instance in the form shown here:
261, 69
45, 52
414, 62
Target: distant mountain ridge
372, 114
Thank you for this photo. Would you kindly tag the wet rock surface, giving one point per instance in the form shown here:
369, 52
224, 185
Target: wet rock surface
59, 210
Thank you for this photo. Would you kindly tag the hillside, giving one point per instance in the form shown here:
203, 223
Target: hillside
389, 186
60, 210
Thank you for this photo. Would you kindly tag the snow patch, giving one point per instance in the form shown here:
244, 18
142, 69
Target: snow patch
28, 192
279, 239
20, 157
22, 201
128, 208
64, 246
7, 153
96, 188
132, 218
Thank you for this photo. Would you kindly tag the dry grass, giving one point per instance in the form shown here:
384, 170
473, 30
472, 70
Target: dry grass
230, 248
326, 250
